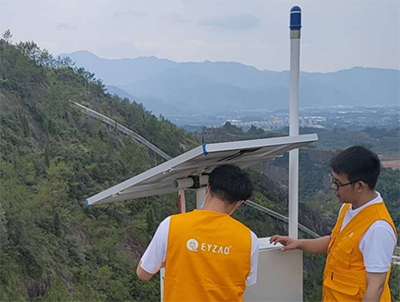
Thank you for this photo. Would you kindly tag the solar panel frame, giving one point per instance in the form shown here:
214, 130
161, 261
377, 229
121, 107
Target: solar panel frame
202, 159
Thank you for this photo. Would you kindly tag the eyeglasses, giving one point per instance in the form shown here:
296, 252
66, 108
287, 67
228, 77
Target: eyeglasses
337, 185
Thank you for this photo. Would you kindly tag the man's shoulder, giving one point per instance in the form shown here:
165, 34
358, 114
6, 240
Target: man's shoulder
244, 228
380, 233
380, 226
181, 215
238, 223
253, 235
165, 223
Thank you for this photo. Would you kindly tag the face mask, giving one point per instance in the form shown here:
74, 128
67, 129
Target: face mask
236, 206
204, 202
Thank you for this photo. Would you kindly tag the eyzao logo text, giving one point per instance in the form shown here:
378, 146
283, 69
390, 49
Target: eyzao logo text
193, 245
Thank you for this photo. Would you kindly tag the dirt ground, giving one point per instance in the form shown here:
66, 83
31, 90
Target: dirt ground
391, 160
394, 164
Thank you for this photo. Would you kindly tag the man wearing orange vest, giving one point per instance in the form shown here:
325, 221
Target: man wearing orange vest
208, 255
360, 247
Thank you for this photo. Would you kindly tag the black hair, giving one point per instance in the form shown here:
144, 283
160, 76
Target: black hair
230, 184
359, 163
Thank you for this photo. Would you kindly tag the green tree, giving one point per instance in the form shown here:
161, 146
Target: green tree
7, 36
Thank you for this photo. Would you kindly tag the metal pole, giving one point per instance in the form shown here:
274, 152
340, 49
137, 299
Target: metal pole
295, 26
182, 200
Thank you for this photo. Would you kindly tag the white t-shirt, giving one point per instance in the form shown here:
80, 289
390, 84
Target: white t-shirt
378, 242
156, 253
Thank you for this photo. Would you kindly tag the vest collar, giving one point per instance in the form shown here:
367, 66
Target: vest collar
354, 212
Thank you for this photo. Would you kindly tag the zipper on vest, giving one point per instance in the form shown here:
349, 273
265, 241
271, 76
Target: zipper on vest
332, 276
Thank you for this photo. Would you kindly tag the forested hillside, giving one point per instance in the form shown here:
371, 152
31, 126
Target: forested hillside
52, 246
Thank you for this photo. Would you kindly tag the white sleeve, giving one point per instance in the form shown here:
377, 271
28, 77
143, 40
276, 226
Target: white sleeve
154, 257
252, 277
377, 246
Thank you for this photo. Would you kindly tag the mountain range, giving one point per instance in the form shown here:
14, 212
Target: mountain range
215, 88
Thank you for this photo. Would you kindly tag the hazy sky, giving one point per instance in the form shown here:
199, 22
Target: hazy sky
335, 35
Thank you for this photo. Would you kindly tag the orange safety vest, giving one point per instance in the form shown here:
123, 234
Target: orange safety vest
345, 277
208, 258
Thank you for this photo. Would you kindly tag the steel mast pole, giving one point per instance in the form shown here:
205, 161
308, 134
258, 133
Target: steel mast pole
295, 26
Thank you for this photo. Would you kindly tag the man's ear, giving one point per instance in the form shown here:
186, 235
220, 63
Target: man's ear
361, 186
208, 188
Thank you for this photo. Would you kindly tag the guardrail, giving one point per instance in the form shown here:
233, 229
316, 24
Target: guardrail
121, 128
280, 217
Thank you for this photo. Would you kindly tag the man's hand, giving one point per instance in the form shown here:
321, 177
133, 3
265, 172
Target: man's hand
287, 242
313, 246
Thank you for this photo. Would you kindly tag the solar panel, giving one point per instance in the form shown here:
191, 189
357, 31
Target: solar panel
199, 161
